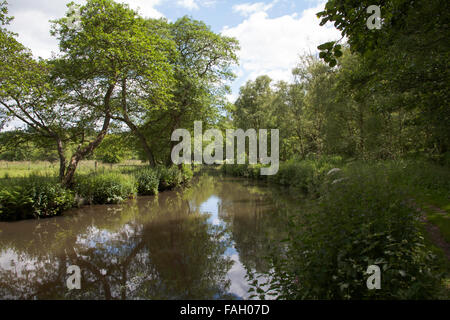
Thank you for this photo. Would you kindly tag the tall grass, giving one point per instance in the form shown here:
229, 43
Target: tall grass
22, 169
40, 195
105, 188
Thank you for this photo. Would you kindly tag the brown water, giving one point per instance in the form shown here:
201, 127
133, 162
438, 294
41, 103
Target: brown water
195, 243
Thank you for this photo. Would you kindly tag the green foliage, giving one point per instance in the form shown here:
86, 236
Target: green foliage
15, 204
307, 175
186, 172
113, 149
4, 18
411, 86
106, 188
33, 197
361, 220
254, 105
147, 181
202, 66
150, 180
38, 196
25, 146
169, 178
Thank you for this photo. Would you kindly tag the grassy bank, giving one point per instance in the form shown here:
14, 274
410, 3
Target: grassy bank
40, 195
358, 215
23, 169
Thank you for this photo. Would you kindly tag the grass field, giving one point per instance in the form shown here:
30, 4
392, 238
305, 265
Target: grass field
22, 169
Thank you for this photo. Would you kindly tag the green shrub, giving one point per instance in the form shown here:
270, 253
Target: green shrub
169, 178
106, 188
147, 181
307, 175
186, 173
239, 170
33, 197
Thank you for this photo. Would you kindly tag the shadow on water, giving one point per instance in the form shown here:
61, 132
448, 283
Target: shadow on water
196, 243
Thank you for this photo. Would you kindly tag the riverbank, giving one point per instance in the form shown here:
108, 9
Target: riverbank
41, 196
360, 214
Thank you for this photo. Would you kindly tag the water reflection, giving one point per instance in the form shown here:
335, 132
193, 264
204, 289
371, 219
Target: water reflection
196, 243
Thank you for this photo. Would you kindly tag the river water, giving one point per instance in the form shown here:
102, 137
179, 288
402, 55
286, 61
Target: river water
198, 242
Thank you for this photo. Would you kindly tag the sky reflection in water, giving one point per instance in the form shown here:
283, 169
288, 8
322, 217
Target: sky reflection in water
196, 243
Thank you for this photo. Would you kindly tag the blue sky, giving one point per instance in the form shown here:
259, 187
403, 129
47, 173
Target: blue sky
272, 33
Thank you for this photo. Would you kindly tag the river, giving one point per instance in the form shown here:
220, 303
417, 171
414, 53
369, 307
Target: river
198, 242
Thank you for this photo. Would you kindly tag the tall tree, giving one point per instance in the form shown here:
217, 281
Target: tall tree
202, 64
72, 98
142, 96
109, 58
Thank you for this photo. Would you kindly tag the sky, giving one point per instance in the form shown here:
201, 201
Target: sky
272, 34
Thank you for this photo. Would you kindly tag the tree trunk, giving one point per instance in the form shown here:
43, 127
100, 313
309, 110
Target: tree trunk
134, 128
62, 159
81, 153
175, 126
143, 140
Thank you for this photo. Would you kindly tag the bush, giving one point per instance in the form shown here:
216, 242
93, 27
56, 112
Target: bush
106, 188
147, 181
169, 178
33, 197
305, 175
186, 173
243, 170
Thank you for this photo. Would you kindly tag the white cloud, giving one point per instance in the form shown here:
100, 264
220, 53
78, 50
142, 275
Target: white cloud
188, 4
195, 4
272, 45
31, 20
145, 7
33, 28
247, 9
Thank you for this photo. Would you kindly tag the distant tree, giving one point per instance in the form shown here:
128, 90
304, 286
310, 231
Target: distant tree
254, 105
114, 148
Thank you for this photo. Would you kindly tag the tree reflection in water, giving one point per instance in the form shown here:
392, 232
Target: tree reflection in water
167, 247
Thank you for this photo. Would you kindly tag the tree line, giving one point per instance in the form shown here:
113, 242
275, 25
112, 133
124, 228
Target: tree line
132, 81
384, 94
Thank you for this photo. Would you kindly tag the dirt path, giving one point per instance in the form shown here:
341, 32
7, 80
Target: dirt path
434, 232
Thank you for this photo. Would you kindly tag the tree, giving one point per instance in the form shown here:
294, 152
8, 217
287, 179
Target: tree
254, 105
202, 64
71, 99
147, 88
395, 55
109, 61
26, 92
114, 149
